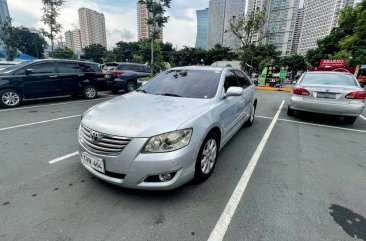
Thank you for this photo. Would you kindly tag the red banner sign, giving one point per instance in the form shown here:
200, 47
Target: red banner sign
327, 63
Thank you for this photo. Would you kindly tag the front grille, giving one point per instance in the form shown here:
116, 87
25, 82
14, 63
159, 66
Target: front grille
106, 144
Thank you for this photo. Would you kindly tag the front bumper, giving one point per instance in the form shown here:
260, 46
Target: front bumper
354, 109
137, 166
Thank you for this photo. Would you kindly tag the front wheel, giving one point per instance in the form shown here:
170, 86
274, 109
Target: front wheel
10, 98
90, 92
250, 121
131, 86
206, 159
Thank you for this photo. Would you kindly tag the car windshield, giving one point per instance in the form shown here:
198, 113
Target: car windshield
13, 67
328, 79
185, 83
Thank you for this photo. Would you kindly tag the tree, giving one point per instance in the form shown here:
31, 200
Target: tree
124, 51
109, 57
51, 10
31, 43
64, 53
219, 53
95, 52
10, 38
294, 63
156, 21
245, 27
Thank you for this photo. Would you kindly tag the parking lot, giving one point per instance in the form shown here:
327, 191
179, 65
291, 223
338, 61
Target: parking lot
284, 178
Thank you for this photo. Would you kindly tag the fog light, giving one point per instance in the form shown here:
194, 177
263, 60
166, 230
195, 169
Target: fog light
165, 177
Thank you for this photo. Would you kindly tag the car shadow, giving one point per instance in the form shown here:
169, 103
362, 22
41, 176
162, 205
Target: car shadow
352, 223
322, 119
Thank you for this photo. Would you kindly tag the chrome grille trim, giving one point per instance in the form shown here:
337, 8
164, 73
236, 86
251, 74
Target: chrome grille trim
107, 145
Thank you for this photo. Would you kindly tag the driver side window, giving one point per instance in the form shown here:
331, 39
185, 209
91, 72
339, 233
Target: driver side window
230, 80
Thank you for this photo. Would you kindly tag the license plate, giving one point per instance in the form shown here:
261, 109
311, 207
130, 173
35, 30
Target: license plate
93, 162
326, 95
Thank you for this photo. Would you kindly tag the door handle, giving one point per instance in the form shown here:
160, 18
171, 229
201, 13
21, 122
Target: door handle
53, 76
81, 75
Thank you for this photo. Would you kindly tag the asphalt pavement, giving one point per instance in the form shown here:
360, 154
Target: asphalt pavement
308, 182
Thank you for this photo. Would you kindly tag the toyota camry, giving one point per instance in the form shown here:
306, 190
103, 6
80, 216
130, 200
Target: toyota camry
168, 132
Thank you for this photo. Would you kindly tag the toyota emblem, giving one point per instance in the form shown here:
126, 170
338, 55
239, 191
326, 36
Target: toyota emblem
95, 136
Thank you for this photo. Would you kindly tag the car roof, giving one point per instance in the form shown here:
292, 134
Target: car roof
125, 63
61, 60
207, 68
328, 72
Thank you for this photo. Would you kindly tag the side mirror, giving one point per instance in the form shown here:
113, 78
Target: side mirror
234, 91
294, 82
28, 71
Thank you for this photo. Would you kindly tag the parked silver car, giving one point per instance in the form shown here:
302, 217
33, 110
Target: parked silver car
170, 130
331, 93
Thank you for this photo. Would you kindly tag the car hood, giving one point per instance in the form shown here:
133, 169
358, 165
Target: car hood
143, 115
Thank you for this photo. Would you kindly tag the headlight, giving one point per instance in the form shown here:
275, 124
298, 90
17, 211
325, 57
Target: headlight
168, 142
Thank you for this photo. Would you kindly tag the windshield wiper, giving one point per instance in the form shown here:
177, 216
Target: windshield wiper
170, 94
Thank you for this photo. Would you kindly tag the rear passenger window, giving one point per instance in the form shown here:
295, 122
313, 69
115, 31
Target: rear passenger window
242, 79
123, 67
89, 68
230, 80
68, 68
45, 68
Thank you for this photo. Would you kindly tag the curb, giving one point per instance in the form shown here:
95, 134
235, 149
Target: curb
274, 89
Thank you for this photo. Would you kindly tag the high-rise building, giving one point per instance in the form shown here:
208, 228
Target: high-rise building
257, 5
281, 21
320, 18
92, 27
221, 13
297, 31
143, 29
73, 40
4, 11
202, 28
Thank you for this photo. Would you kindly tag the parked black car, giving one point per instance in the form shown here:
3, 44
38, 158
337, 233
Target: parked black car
47, 78
124, 75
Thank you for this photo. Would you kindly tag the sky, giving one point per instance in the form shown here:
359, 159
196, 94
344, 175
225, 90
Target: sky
120, 16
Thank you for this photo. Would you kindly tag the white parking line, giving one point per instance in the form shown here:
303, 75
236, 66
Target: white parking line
39, 122
313, 124
363, 117
64, 103
63, 157
222, 224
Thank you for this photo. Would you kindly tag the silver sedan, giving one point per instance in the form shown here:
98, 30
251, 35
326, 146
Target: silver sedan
169, 131
331, 93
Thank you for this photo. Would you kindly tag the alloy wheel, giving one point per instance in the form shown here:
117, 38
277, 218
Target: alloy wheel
90, 92
208, 157
131, 86
10, 98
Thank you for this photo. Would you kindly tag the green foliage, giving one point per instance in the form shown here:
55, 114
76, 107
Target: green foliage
51, 10
63, 53
125, 51
109, 56
294, 63
10, 38
95, 52
256, 57
31, 43
347, 41
156, 21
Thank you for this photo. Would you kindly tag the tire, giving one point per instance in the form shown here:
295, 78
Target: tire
350, 119
210, 146
131, 86
90, 92
250, 121
290, 112
10, 98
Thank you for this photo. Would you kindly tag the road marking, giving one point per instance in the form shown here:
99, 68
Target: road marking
63, 157
264, 117
222, 224
320, 125
64, 103
363, 117
40, 122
